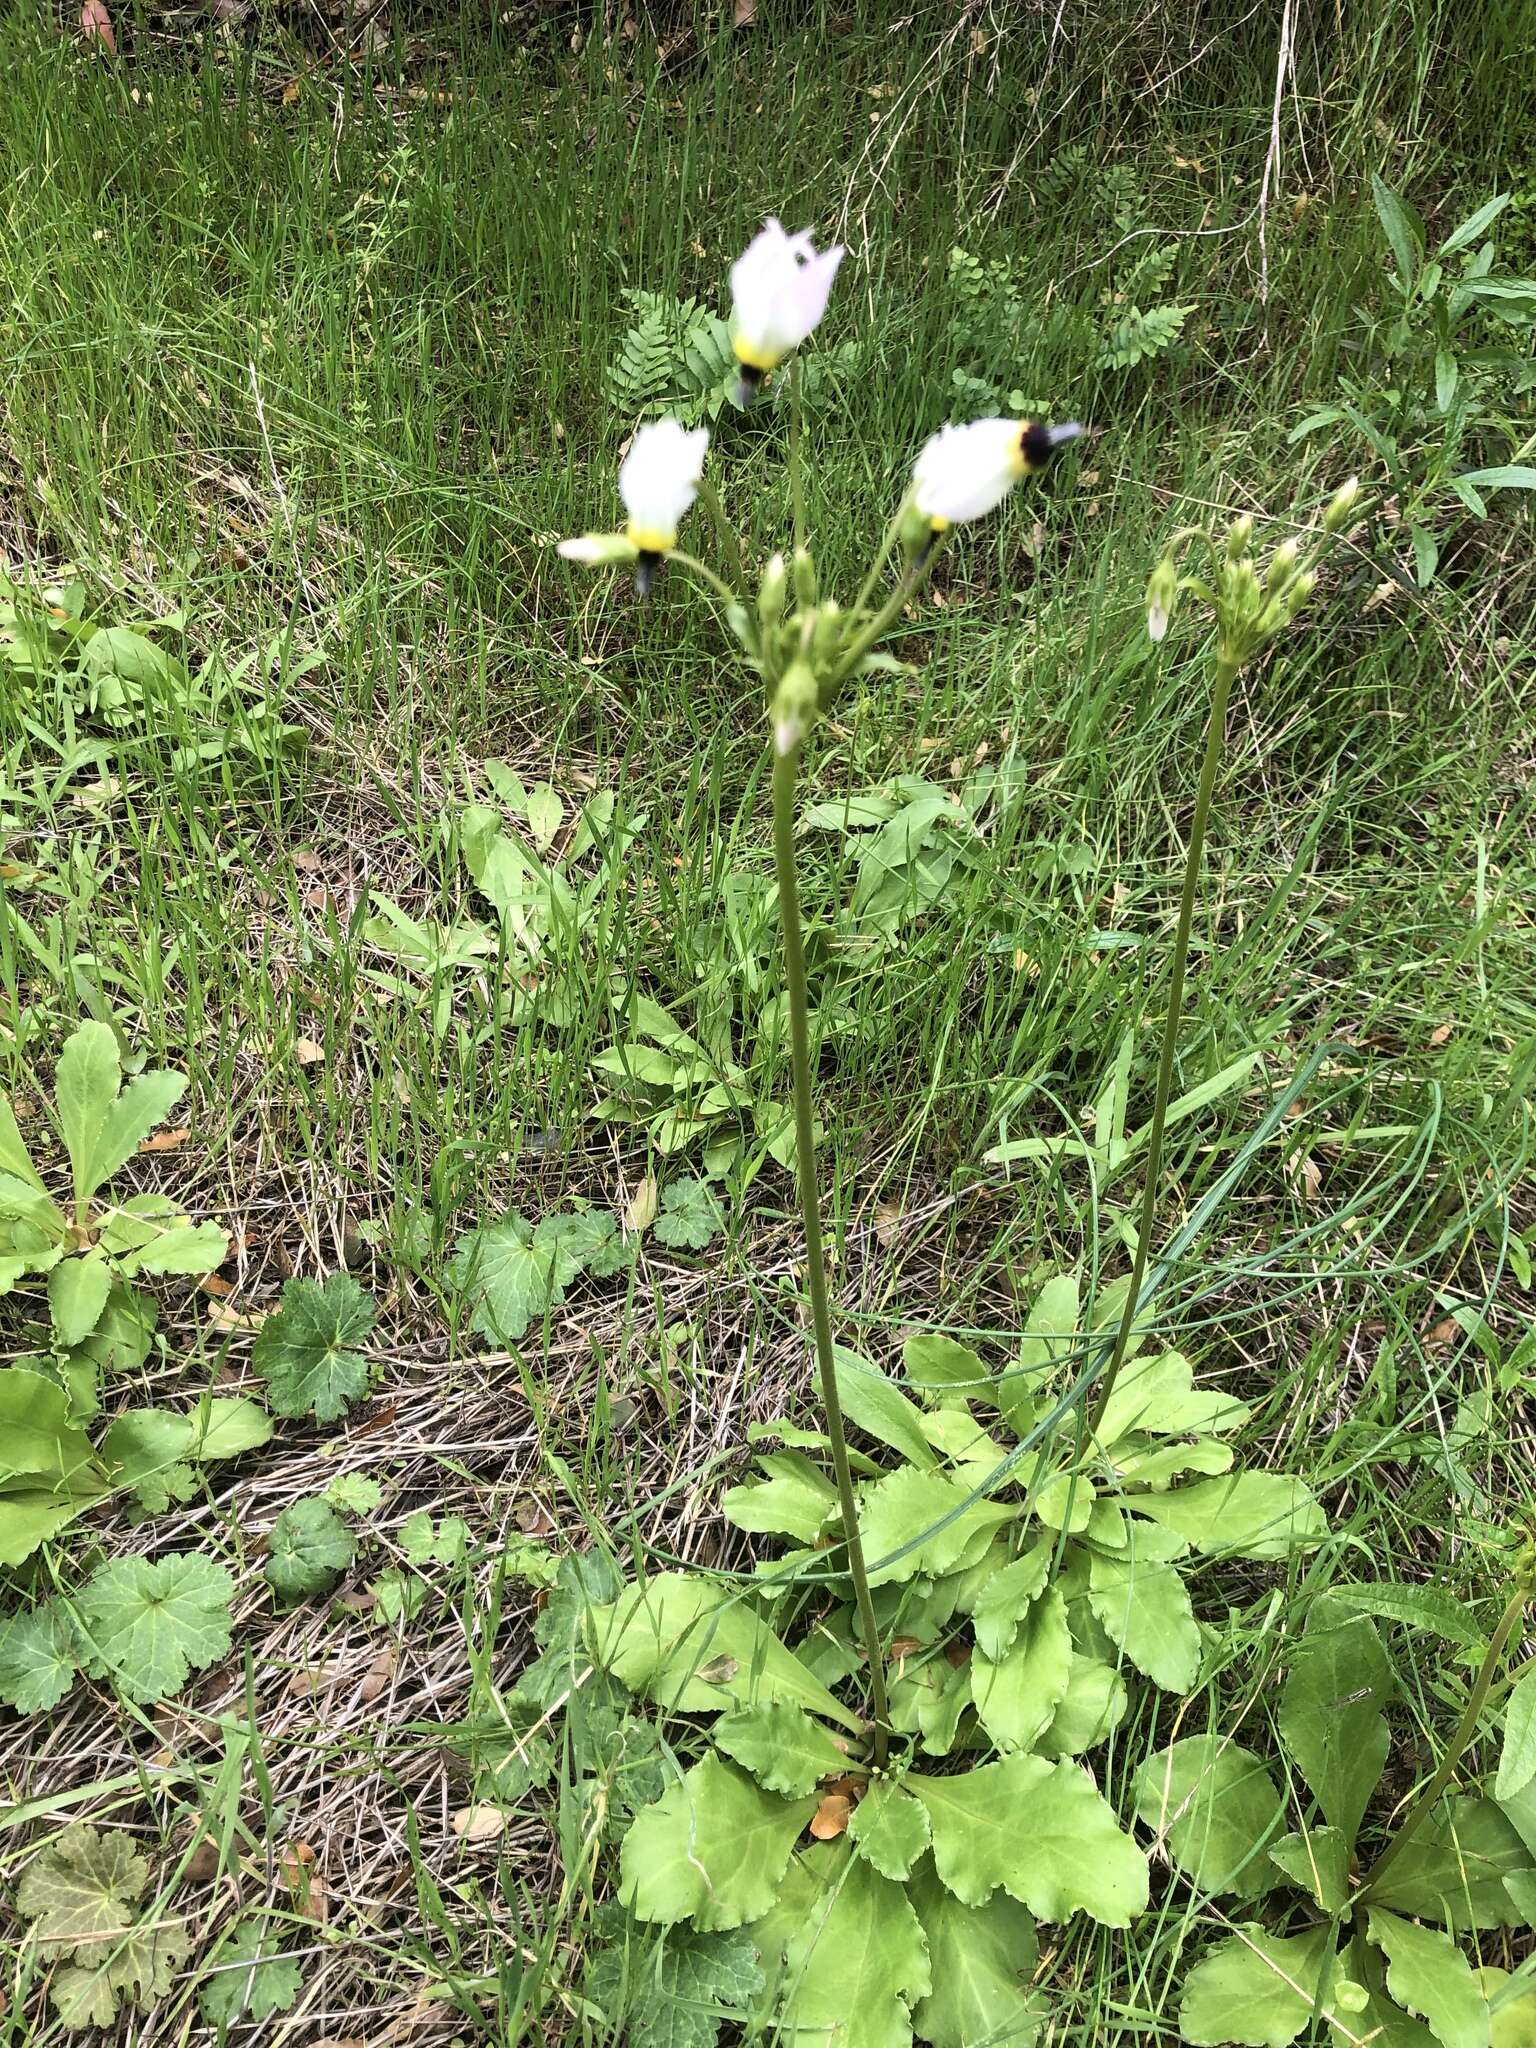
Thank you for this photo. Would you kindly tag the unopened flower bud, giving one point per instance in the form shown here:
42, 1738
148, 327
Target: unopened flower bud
771, 592
593, 550
1341, 505
1239, 537
1299, 592
828, 634
805, 579
793, 710
1282, 565
1162, 590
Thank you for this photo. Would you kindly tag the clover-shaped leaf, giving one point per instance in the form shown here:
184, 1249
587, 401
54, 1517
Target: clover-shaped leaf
149, 1625
690, 1215
307, 1351
308, 1550
249, 1977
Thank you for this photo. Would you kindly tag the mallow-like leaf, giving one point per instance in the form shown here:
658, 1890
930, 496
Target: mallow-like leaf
148, 1625
308, 1352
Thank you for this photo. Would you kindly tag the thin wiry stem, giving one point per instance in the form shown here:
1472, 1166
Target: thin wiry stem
785, 770
1215, 733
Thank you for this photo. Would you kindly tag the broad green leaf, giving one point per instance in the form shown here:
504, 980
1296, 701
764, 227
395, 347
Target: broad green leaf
545, 813
1092, 1707
153, 1234
1157, 1394
672, 1994
872, 1403
38, 1657
1427, 1974
20, 1202
1216, 1805
1066, 1502
1193, 1100
29, 1515
84, 1091
943, 1369
15, 1159
1318, 1862
690, 1216
1519, 1809
149, 1625
307, 1352
1256, 1990
146, 1101
780, 1745
81, 1889
1006, 1598
1049, 1337
1447, 376
1017, 1697
1504, 476
914, 1522
149, 1440
1517, 1759
1513, 2018
889, 1828
850, 1954
982, 1958
248, 1976
308, 1550
1143, 1605
693, 1647
1038, 1830
1330, 1712
1475, 225
794, 1498
1421, 1607
35, 1431
77, 1294
1402, 227
1251, 1514
1456, 1868
1158, 1468
507, 1277
712, 1849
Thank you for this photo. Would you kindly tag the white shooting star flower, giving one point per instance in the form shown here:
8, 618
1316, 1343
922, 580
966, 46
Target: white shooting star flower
779, 291
659, 480
965, 472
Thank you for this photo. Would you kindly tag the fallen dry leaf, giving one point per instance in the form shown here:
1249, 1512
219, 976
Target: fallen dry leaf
167, 1141
96, 25
377, 1677
216, 1284
223, 1317
479, 1823
888, 1222
640, 1210
306, 862
306, 1052
1442, 1032
533, 1518
831, 1817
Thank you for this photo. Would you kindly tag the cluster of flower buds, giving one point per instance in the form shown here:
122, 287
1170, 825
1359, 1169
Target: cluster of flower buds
1250, 605
779, 292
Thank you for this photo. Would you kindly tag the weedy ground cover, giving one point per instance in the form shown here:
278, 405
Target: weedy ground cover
444, 875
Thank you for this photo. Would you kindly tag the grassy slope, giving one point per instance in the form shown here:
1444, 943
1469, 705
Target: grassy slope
328, 374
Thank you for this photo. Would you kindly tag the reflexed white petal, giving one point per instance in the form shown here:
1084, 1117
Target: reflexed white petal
591, 548
1157, 623
659, 480
779, 290
966, 472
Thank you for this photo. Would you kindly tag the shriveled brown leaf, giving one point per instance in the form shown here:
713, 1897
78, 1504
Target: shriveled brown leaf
533, 1518
1442, 1032
96, 25
166, 1141
376, 1679
306, 862
307, 1053
223, 1317
831, 1817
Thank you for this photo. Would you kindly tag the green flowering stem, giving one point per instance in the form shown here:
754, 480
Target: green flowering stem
730, 547
1465, 1729
882, 555
1215, 733
785, 771
796, 458
695, 567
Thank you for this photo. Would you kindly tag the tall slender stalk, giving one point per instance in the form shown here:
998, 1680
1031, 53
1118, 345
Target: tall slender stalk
1215, 733
1465, 1729
785, 774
